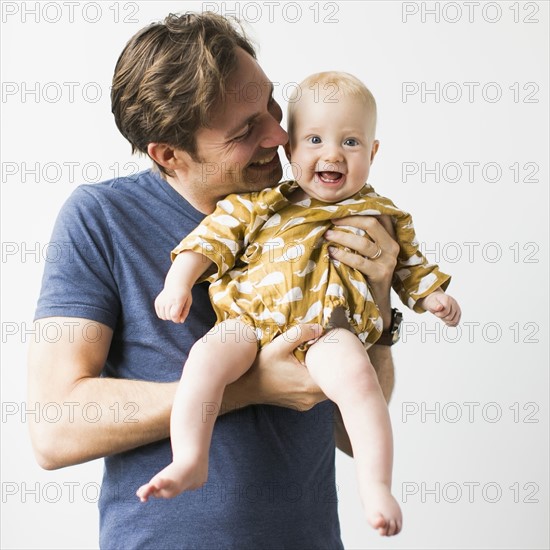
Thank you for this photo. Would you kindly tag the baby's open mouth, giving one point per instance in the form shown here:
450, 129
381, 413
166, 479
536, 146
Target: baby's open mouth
329, 177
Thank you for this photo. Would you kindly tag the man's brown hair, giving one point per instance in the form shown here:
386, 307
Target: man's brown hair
170, 75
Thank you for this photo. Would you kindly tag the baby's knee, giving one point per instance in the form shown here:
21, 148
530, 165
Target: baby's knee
359, 369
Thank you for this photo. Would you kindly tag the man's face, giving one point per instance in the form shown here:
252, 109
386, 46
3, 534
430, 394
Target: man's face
332, 145
239, 152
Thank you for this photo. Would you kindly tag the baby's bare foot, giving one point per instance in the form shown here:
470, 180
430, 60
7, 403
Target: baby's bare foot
382, 510
174, 479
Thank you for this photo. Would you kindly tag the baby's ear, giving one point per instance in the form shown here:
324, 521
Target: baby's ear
287, 151
374, 150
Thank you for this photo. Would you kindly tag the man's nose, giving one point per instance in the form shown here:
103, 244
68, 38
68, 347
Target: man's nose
274, 135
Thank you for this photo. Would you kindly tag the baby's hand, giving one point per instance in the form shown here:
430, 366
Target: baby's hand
173, 305
443, 306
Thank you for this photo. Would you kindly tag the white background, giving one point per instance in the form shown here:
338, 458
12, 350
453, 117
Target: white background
449, 468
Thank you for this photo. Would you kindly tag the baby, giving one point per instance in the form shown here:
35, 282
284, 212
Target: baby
270, 269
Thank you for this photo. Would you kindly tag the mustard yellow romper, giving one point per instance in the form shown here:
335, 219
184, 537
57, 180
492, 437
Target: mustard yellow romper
272, 269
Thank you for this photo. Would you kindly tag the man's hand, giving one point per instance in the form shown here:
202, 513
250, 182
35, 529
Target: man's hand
277, 377
380, 235
443, 306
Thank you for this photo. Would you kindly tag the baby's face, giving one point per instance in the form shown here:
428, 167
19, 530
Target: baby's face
332, 145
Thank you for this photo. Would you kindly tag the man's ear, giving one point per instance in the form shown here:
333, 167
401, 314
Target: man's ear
168, 157
374, 150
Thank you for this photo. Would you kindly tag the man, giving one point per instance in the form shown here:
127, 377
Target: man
271, 476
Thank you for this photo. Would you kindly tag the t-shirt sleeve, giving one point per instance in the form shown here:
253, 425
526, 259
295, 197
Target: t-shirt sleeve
414, 277
221, 236
79, 280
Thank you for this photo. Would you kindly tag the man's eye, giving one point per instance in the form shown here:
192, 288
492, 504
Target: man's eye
351, 142
315, 140
244, 135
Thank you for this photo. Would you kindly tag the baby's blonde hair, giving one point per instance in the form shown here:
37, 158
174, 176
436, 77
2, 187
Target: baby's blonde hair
327, 84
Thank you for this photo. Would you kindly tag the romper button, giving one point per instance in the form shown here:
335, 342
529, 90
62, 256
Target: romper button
252, 253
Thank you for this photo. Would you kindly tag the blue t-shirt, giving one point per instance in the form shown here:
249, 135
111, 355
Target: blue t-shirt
271, 480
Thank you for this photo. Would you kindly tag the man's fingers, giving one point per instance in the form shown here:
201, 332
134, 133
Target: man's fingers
387, 224
357, 261
374, 226
360, 244
378, 244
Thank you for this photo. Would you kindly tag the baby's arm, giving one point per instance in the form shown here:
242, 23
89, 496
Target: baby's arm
443, 306
174, 302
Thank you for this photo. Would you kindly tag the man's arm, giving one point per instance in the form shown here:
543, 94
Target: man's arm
104, 416
100, 416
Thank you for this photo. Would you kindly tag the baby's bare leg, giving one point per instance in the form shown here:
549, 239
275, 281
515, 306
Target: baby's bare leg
222, 356
340, 365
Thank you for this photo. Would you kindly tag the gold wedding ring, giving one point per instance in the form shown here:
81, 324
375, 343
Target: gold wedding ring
377, 255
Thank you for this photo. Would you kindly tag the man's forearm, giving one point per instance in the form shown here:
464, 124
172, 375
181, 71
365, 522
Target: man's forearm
105, 416
95, 416
100, 417
382, 361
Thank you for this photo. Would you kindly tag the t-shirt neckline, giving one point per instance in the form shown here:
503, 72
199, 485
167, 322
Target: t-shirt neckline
187, 207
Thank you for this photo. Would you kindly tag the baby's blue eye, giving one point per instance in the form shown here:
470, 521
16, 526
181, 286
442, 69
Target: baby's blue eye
351, 141
315, 139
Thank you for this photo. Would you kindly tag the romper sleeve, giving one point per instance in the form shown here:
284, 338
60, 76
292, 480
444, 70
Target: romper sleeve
222, 235
414, 277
